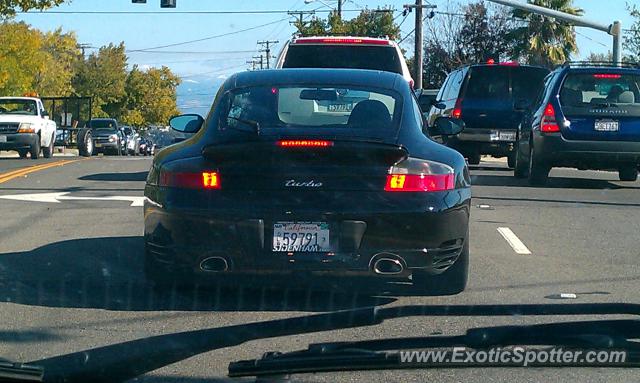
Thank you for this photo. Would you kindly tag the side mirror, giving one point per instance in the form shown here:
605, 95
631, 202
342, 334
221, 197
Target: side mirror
187, 123
438, 104
446, 126
521, 105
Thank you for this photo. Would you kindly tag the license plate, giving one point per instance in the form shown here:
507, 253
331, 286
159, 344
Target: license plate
497, 135
301, 237
340, 107
3, 138
606, 126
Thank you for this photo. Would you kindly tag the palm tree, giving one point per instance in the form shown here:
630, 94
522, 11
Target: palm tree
543, 40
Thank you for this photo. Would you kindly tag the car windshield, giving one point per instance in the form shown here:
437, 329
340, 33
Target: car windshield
19, 107
343, 56
353, 191
317, 107
587, 92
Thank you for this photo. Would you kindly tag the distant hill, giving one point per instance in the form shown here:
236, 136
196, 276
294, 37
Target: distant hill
195, 94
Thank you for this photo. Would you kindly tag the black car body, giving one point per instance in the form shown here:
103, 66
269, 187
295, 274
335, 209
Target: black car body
107, 136
587, 117
485, 96
338, 153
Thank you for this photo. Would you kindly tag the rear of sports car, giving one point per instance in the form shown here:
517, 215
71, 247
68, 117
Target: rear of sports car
319, 186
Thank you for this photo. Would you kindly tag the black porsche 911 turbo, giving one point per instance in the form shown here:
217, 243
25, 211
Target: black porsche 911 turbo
310, 172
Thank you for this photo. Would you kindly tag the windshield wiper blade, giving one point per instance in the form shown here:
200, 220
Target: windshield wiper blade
254, 124
19, 372
386, 353
124, 361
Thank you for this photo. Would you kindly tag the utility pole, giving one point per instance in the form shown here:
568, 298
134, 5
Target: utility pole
261, 61
300, 15
418, 58
267, 50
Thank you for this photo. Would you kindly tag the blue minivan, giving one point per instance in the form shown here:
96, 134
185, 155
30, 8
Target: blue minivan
587, 117
488, 98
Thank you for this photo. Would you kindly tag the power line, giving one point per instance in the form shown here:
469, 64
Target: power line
208, 38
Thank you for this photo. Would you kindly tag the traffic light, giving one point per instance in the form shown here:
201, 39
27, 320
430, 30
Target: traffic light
167, 3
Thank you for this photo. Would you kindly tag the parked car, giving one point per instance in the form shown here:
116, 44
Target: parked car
107, 136
484, 97
587, 117
25, 127
344, 52
346, 152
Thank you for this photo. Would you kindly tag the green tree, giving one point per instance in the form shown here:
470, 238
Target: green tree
151, 97
369, 22
9, 7
632, 37
103, 76
542, 40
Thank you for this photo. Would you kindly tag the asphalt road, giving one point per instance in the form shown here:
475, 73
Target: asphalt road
71, 269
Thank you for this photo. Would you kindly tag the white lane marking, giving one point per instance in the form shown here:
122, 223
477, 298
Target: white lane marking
57, 197
513, 241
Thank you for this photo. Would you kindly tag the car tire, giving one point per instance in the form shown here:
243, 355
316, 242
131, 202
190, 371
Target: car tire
474, 159
23, 153
538, 171
628, 173
35, 149
521, 166
511, 160
47, 152
451, 282
85, 143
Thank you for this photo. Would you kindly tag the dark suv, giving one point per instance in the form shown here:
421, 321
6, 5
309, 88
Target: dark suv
587, 117
487, 98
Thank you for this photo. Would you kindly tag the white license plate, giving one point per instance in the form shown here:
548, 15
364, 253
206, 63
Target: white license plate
301, 237
497, 135
3, 138
606, 126
340, 107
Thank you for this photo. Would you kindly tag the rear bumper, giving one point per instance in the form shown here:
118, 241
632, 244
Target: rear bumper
558, 151
428, 237
19, 141
484, 141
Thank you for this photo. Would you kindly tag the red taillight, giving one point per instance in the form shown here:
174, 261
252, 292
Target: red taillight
345, 40
457, 109
607, 75
304, 143
189, 180
416, 175
548, 124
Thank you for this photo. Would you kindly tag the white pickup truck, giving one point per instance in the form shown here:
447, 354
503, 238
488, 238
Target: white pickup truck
25, 127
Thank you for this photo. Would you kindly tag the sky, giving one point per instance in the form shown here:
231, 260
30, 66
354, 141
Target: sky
216, 56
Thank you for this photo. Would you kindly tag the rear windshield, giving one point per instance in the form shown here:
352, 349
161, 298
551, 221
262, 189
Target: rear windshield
319, 108
102, 124
492, 82
601, 93
383, 58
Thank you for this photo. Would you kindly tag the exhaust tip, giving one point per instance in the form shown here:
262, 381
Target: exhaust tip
388, 266
214, 264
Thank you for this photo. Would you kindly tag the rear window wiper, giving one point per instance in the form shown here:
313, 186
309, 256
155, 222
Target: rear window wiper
253, 124
388, 353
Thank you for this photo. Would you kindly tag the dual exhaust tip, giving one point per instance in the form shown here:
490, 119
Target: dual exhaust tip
387, 264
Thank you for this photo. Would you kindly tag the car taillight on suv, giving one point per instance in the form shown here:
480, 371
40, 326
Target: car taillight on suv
548, 124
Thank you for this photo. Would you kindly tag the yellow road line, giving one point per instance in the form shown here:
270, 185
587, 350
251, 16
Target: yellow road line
4, 177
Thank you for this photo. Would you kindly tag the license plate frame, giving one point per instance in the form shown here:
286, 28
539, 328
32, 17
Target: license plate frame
607, 125
301, 237
3, 139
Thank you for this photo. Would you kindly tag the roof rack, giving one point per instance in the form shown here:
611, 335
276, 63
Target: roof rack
600, 64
